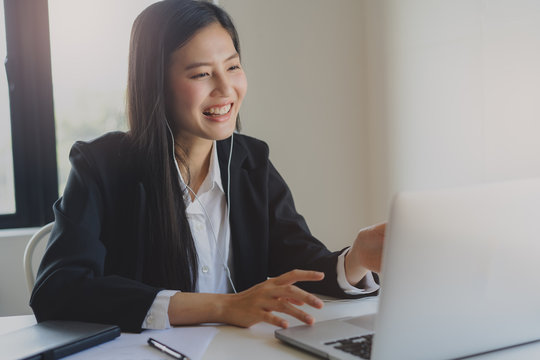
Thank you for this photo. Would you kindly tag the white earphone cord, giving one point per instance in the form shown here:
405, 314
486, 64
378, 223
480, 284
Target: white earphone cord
226, 267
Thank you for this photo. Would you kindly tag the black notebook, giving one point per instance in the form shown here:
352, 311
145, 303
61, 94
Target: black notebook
54, 339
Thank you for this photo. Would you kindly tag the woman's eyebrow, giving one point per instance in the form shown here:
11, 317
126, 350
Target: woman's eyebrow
198, 64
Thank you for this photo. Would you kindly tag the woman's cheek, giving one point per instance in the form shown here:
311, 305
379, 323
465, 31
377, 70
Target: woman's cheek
191, 95
241, 86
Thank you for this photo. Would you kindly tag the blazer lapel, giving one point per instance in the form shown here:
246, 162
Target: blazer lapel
248, 249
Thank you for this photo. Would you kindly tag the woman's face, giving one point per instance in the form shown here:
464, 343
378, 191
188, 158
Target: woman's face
206, 85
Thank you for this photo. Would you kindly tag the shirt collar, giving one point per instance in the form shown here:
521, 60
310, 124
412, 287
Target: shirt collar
213, 178
214, 172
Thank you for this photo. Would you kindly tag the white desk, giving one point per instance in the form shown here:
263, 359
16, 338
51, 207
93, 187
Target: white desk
258, 342
235, 343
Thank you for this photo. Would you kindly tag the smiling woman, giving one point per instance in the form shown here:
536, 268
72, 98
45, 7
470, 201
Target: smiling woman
180, 220
206, 88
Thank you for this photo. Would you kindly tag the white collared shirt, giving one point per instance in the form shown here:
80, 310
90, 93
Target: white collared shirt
207, 218
214, 252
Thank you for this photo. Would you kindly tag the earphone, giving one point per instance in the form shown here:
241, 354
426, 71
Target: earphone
225, 266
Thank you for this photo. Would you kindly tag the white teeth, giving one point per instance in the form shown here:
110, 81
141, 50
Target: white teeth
219, 110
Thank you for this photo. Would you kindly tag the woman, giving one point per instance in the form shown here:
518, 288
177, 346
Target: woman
159, 225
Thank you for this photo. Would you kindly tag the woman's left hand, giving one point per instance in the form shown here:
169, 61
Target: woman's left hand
365, 253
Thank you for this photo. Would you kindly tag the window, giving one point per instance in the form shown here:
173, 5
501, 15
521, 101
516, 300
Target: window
7, 186
89, 56
27, 65
80, 49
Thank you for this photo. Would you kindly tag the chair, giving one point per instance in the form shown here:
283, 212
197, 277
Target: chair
29, 253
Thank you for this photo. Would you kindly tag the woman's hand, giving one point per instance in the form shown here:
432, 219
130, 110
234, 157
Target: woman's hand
365, 253
277, 294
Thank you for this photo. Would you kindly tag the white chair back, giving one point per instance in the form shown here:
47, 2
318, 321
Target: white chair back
42, 234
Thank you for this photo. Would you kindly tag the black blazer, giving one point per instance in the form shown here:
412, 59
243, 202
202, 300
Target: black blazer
92, 268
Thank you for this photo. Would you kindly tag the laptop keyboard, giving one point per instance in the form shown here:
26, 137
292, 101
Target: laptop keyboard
359, 345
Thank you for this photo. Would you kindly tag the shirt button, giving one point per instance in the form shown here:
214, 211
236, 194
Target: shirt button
205, 269
149, 319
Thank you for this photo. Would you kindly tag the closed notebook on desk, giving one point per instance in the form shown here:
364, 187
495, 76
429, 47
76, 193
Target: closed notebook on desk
54, 339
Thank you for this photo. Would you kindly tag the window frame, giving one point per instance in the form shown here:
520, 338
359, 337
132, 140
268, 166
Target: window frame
28, 68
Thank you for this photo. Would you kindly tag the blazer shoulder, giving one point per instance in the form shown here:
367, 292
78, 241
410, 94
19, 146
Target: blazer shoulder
108, 152
103, 147
113, 141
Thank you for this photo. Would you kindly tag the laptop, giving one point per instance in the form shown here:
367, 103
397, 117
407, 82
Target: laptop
54, 339
460, 277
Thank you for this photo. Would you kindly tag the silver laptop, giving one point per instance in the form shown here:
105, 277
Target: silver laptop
461, 276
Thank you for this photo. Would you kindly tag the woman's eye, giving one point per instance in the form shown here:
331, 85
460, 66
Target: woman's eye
234, 67
199, 76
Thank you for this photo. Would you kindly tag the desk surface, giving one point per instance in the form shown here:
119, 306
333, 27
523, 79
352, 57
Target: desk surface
236, 343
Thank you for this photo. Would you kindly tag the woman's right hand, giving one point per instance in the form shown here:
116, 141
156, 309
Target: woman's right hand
279, 294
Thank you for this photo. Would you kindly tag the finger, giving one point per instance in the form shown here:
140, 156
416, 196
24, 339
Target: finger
300, 296
295, 301
275, 320
286, 308
299, 275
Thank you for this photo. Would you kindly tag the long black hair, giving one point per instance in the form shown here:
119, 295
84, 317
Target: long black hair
163, 27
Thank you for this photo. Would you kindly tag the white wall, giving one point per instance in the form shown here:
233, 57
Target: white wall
14, 294
456, 89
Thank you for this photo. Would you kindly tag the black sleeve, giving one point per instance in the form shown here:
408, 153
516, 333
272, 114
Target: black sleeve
71, 282
293, 247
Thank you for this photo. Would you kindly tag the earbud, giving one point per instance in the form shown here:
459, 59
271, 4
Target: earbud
225, 266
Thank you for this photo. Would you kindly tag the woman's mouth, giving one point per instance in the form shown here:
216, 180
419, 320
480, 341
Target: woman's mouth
218, 110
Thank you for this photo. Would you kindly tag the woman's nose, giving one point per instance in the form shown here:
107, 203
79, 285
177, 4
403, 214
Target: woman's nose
222, 86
